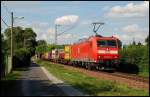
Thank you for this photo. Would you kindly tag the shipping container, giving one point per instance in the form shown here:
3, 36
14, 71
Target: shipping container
61, 53
49, 55
46, 55
67, 51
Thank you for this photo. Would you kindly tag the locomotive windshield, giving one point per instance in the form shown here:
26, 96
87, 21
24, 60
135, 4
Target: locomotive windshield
103, 43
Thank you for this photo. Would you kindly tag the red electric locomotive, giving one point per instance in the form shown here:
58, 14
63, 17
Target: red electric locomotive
96, 52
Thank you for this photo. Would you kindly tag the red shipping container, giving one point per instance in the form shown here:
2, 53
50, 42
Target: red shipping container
61, 54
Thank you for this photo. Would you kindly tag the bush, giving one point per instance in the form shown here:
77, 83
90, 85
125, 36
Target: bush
135, 56
21, 58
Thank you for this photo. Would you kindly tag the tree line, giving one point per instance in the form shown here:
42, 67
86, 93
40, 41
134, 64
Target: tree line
25, 45
136, 54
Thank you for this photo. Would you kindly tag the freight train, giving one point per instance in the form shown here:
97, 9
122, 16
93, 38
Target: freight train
95, 52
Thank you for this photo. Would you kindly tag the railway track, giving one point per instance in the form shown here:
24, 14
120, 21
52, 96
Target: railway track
125, 75
118, 74
129, 76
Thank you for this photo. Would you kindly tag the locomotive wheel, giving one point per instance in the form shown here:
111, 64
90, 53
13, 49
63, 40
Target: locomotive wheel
74, 64
93, 68
86, 65
89, 67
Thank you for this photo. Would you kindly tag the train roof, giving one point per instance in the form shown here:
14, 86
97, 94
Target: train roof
93, 36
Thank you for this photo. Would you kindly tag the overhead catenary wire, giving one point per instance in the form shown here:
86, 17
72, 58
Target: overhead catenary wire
4, 22
6, 8
65, 30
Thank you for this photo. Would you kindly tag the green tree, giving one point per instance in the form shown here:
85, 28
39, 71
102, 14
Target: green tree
133, 43
137, 55
3, 43
29, 40
41, 42
17, 38
147, 40
41, 47
24, 43
139, 43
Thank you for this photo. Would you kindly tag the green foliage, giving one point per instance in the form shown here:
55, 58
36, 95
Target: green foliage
21, 38
42, 47
21, 52
139, 43
53, 46
134, 43
136, 55
41, 42
24, 42
3, 44
147, 40
12, 76
21, 57
30, 40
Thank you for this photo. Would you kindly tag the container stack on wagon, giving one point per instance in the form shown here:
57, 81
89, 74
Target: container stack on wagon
67, 54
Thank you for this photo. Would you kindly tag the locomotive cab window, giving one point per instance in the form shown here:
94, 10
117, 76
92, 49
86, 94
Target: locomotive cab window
103, 43
111, 43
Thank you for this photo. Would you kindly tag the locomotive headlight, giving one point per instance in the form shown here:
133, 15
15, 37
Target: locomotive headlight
101, 51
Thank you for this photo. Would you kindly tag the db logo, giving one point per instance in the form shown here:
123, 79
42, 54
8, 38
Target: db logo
107, 50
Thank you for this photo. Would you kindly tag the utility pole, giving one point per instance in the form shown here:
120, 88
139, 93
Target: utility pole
96, 23
11, 38
56, 34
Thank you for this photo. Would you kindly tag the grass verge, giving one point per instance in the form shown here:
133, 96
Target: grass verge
14, 75
90, 85
144, 70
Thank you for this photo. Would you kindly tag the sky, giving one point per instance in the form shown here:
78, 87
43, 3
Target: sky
127, 20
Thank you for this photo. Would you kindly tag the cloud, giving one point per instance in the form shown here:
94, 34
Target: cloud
130, 10
67, 38
49, 34
37, 24
133, 31
84, 36
40, 28
131, 28
67, 20
51, 31
44, 32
